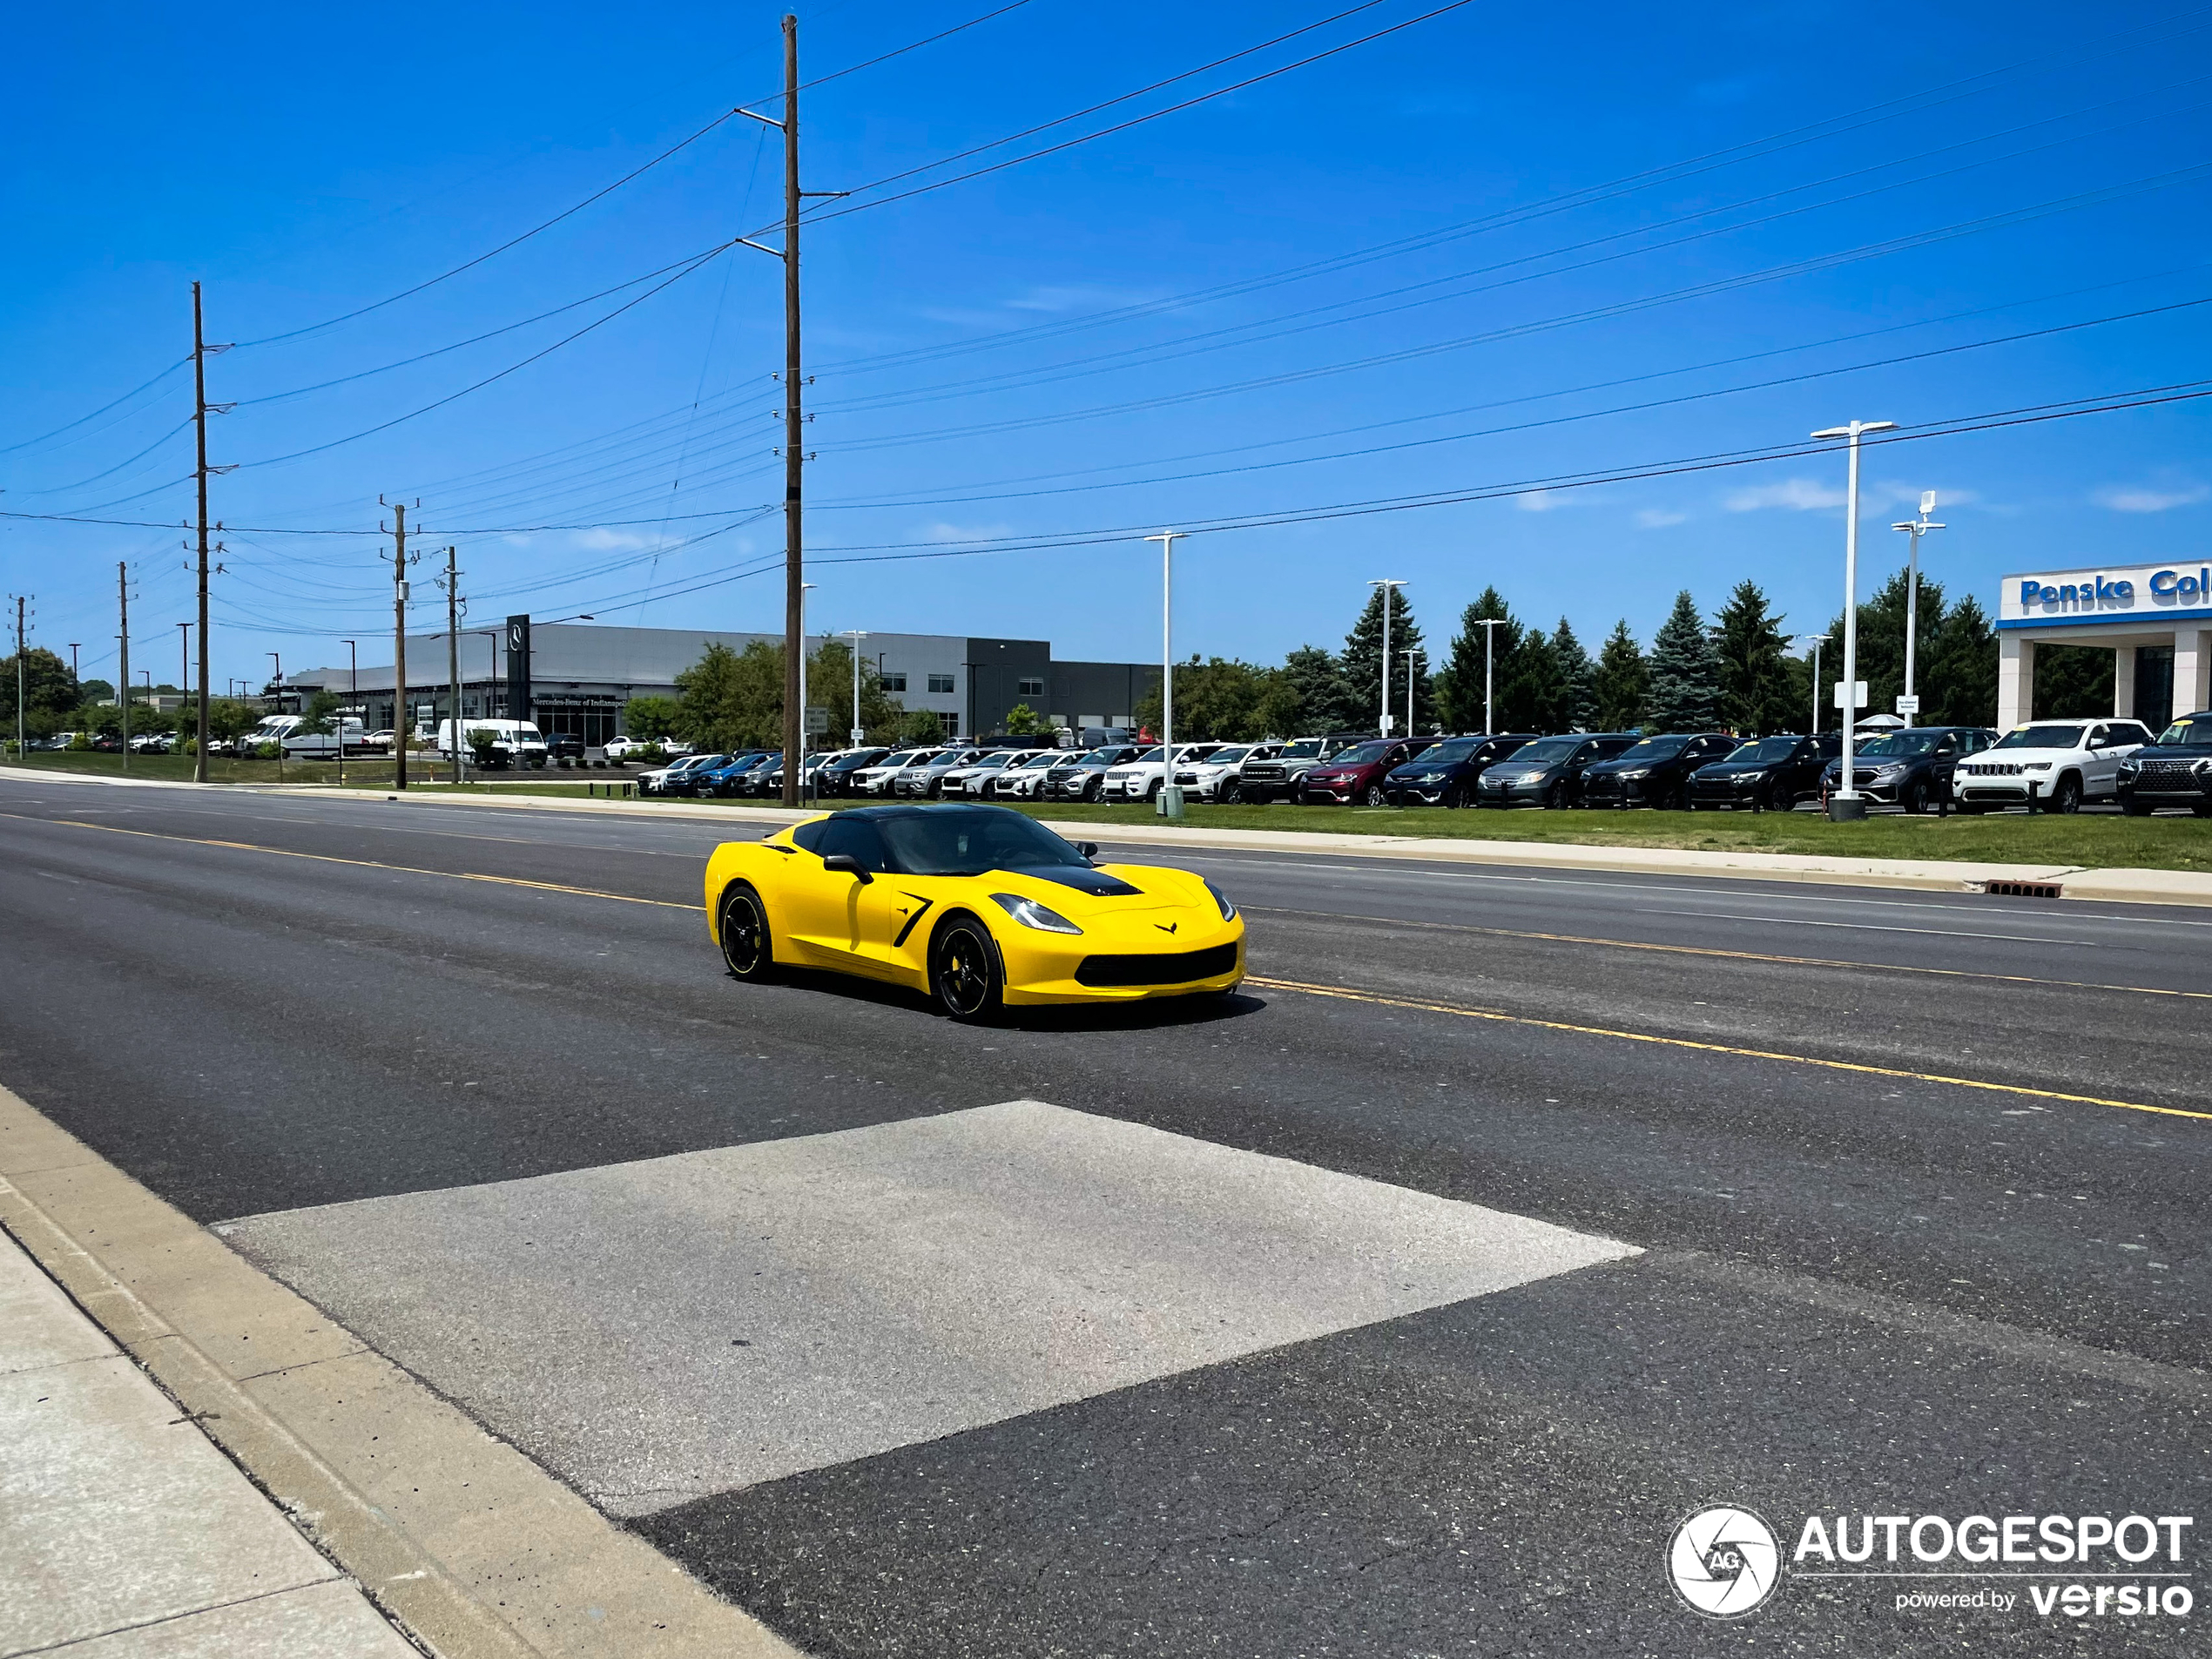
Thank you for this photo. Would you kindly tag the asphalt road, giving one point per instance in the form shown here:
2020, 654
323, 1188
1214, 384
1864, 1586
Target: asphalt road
1908, 1235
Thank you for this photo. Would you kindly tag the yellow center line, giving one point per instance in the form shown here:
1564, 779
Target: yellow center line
1464, 1011
358, 864
1732, 955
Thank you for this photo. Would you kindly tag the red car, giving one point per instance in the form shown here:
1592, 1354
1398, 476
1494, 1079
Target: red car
1357, 774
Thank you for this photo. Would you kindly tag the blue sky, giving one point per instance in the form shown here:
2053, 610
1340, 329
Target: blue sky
1441, 261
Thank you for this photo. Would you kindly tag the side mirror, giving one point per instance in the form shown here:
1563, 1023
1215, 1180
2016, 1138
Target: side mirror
846, 864
1089, 849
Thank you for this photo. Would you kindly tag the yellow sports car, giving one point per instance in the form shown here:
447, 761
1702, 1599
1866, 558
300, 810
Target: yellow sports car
976, 905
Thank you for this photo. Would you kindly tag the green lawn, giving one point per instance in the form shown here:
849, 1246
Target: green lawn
2091, 839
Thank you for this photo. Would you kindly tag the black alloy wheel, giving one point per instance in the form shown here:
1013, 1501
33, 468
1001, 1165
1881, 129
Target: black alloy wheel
2067, 797
747, 951
1227, 793
1374, 797
964, 971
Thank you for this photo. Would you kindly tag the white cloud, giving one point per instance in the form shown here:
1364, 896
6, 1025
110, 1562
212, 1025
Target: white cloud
606, 541
1658, 518
2151, 500
1051, 298
1538, 501
941, 531
1799, 495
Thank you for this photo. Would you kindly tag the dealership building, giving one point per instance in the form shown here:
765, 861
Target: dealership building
578, 677
2156, 620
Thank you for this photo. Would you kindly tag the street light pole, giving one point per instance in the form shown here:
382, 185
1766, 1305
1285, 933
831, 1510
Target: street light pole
859, 733
1171, 795
1411, 651
1490, 625
799, 760
1387, 585
1813, 641
1916, 527
1847, 801
353, 701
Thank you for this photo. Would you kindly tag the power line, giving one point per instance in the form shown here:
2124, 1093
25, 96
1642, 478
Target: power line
73, 425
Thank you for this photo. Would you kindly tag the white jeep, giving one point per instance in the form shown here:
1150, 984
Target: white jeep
2056, 764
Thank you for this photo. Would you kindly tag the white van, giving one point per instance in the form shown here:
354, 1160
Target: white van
518, 744
274, 728
323, 745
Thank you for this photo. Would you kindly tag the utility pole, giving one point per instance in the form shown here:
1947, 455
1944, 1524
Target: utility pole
21, 652
398, 642
794, 416
859, 733
201, 409
184, 683
1171, 795
353, 699
453, 655
1410, 654
123, 690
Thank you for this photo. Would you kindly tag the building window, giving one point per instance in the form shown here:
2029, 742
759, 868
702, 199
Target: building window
1031, 688
940, 682
951, 723
895, 679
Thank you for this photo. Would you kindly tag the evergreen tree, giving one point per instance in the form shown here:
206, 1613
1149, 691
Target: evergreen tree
2071, 681
1218, 700
1685, 671
1754, 679
48, 688
1305, 696
1362, 665
1459, 686
1579, 675
1959, 677
1534, 694
1621, 688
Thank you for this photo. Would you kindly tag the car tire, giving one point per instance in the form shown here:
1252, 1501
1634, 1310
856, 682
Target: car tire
965, 977
748, 946
1555, 797
2067, 798
1455, 797
1228, 795
1374, 797
1916, 798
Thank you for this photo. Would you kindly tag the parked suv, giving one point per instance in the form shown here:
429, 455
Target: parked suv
1911, 768
673, 780
838, 772
876, 779
1766, 774
1085, 774
1262, 781
925, 780
1216, 778
1549, 773
1355, 775
2176, 771
1141, 777
1024, 780
978, 778
2054, 764
1654, 772
1446, 775
725, 779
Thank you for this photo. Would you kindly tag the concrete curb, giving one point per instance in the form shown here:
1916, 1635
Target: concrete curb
457, 1536
2124, 886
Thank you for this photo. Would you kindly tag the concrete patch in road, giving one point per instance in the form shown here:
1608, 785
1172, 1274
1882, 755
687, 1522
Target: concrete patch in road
660, 1329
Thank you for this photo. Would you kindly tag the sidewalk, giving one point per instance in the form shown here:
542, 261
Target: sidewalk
124, 1533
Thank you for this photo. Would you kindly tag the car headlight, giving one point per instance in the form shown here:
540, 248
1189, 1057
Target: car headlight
1635, 773
1030, 913
1432, 777
2128, 769
2037, 766
1228, 910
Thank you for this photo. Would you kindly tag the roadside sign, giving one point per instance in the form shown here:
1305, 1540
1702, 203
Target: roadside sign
1907, 704
1858, 699
817, 720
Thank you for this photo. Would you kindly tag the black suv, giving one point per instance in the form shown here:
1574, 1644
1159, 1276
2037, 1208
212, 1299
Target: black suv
1910, 768
1655, 772
1766, 774
563, 745
1446, 775
2176, 771
1549, 771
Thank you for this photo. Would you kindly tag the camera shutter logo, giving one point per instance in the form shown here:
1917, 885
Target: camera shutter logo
1723, 1562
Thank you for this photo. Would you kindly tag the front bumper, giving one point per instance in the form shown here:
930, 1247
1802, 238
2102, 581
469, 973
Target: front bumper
1499, 792
1055, 972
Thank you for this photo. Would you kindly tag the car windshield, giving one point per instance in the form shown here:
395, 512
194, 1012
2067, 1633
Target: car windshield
1910, 743
1654, 749
1361, 754
1450, 750
2186, 734
993, 762
1151, 756
1304, 749
1224, 757
1547, 749
2042, 737
971, 840
1049, 757
1766, 750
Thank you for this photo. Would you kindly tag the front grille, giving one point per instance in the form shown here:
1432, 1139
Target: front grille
1177, 969
2166, 772
1272, 775
1994, 768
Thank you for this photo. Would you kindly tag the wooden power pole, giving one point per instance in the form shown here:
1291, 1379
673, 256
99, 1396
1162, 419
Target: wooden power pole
453, 655
794, 456
123, 615
399, 645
